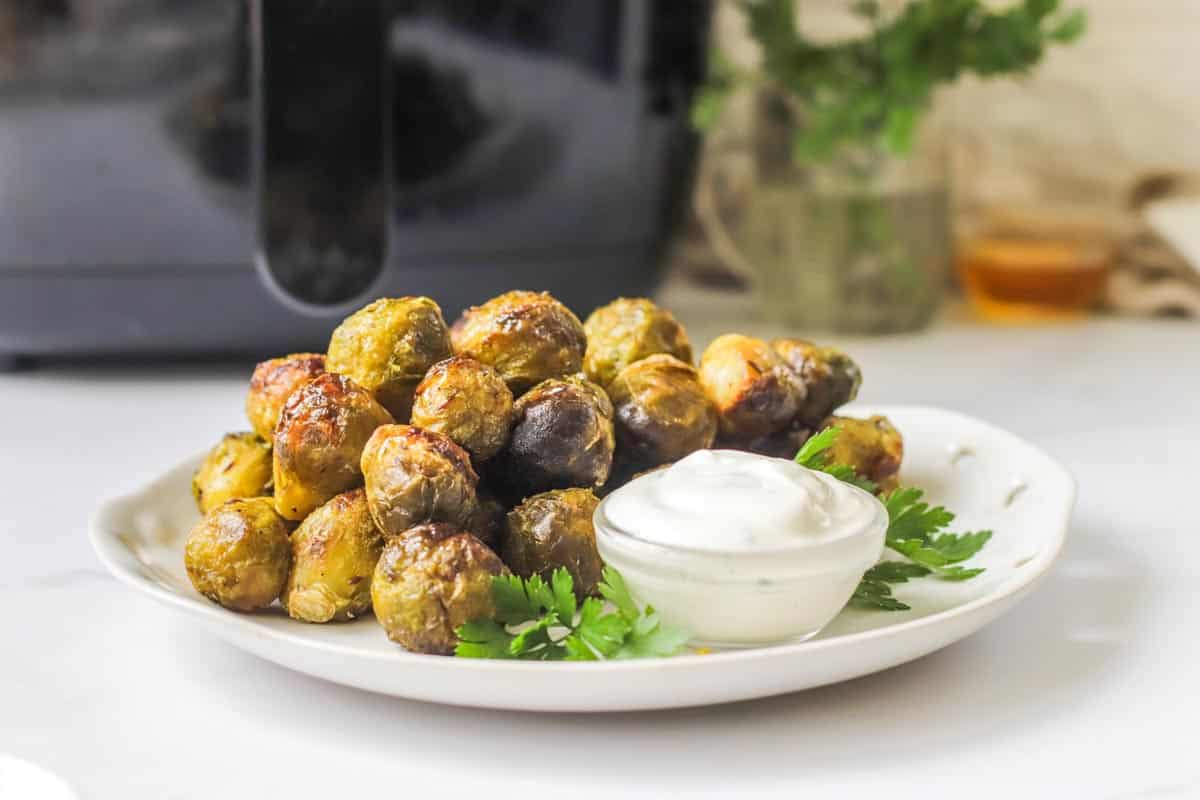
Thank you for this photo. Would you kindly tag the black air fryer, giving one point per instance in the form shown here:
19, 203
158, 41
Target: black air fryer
188, 176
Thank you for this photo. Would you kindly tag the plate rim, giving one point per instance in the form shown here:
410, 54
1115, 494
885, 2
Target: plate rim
111, 550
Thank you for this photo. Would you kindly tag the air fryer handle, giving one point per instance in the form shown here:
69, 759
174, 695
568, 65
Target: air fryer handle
321, 110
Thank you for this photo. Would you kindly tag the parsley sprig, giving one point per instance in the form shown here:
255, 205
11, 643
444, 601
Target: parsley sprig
875, 591
916, 531
541, 621
814, 456
870, 92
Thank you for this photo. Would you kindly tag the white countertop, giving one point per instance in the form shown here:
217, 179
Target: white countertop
1088, 689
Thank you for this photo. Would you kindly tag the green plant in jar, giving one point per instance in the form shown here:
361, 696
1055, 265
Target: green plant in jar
852, 109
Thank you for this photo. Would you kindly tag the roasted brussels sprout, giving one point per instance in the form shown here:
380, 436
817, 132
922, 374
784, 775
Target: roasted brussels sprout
467, 401
661, 412
628, 330
785, 443
872, 446
552, 530
563, 437
831, 378
625, 475
487, 523
273, 382
754, 390
334, 552
528, 337
429, 581
415, 476
623, 472
319, 441
388, 346
239, 554
239, 466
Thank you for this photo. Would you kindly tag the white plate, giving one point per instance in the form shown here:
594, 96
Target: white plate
990, 477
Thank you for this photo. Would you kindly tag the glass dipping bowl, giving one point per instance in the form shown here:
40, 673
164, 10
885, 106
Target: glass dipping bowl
744, 598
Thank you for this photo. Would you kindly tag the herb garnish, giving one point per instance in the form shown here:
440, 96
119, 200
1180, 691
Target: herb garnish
541, 621
869, 92
915, 530
813, 456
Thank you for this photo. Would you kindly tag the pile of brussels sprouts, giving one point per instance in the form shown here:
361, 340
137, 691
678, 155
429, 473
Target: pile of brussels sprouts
414, 461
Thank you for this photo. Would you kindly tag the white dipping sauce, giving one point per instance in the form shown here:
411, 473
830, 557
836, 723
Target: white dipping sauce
730, 500
741, 549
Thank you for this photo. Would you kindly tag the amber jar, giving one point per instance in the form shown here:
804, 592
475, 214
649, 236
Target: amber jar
1036, 263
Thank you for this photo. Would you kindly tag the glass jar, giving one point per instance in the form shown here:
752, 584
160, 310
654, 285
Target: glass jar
1036, 263
861, 247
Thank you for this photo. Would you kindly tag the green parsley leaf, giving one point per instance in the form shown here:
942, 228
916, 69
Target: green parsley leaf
564, 593
512, 603
918, 552
539, 621
956, 547
895, 572
577, 649
649, 638
847, 474
876, 594
813, 455
533, 639
915, 530
603, 633
958, 573
483, 638
616, 592
856, 99
540, 594
1071, 27
909, 518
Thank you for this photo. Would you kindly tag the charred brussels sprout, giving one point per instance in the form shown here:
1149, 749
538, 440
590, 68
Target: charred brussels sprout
467, 401
429, 581
487, 523
552, 530
780, 444
526, 336
239, 554
334, 552
388, 346
754, 390
661, 412
415, 476
623, 472
273, 383
830, 377
319, 440
239, 466
628, 330
872, 446
563, 437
